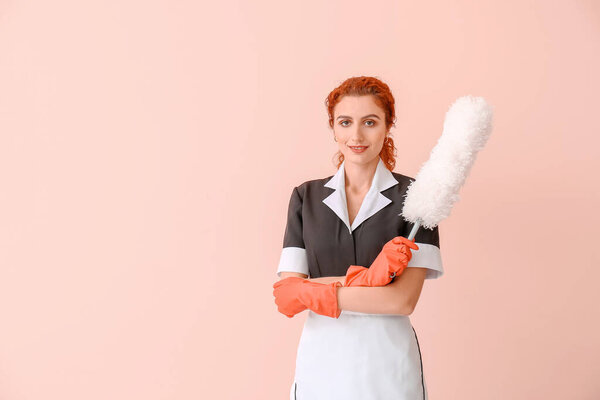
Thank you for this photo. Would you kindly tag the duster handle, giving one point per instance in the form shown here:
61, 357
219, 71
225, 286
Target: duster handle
412, 234
414, 230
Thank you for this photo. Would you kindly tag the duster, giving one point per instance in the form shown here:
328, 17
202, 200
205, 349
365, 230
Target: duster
430, 197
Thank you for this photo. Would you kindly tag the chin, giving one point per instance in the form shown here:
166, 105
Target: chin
363, 158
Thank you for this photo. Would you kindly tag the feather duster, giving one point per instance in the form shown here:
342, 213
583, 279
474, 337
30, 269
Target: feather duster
431, 195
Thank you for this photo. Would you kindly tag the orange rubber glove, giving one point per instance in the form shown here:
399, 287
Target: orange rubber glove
294, 294
286, 296
391, 262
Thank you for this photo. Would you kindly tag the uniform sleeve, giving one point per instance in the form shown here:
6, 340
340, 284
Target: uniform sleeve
293, 255
428, 256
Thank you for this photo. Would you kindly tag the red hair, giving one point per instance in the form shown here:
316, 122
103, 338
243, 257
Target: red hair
364, 86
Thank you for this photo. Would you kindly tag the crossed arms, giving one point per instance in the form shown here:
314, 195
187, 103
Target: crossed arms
398, 297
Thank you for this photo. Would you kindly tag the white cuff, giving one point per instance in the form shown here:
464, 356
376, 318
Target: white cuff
428, 256
293, 259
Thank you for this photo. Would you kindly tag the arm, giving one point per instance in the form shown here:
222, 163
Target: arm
370, 300
329, 279
288, 274
325, 279
398, 297
407, 287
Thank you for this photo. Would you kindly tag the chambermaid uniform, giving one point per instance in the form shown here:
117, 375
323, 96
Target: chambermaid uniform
357, 356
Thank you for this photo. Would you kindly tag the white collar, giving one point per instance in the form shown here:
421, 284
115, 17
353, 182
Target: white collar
373, 201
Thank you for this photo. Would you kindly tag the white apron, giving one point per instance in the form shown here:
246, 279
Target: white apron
358, 357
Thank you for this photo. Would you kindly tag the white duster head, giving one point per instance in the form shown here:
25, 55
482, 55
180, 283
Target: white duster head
430, 197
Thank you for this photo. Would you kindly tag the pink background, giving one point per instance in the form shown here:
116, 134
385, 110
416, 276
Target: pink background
147, 155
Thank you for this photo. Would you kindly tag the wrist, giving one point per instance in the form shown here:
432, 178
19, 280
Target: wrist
328, 279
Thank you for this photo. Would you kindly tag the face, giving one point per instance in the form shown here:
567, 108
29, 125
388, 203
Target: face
359, 121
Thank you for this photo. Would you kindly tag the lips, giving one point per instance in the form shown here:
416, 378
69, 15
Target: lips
358, 149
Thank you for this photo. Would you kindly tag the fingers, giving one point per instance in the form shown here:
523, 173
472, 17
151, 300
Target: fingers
275, 294
403, 240
399, 255
281, 305
406, 251
406, 242
403, 258
282, 311
399, 250
403, 250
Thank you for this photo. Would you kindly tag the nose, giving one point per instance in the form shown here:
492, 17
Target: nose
357, 136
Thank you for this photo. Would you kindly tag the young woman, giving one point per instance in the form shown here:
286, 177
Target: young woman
347, 261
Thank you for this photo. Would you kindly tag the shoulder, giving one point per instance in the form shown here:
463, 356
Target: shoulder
314, 187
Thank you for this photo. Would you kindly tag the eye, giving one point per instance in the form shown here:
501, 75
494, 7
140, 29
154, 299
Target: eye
370, 120
342, 122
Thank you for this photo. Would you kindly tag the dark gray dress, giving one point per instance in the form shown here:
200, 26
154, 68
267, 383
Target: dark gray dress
358, 355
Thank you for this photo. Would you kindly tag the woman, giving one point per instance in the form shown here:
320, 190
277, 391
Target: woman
345, 232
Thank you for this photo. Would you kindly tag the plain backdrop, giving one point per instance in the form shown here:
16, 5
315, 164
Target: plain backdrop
148, 150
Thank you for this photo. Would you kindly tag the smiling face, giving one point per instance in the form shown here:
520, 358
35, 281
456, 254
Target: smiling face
359, 121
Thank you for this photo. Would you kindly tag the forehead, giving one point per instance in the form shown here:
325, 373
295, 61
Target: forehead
357, 106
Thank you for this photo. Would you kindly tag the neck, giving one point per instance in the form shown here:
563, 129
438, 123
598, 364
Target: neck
359, 177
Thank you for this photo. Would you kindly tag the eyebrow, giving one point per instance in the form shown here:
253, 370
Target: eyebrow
366, 116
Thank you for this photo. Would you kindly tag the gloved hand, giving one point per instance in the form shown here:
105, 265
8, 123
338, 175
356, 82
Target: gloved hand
294, 294
286, 296
391, 262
